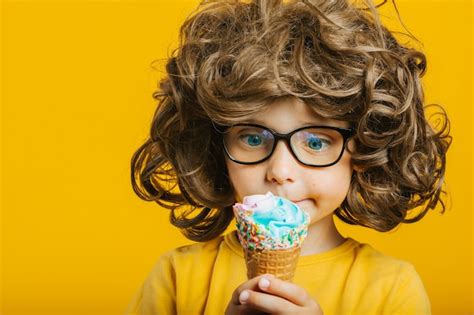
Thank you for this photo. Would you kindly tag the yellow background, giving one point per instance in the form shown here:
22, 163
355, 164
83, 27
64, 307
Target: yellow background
76, 103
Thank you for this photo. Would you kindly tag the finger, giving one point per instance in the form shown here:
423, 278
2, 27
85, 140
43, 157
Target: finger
284, 289
267, 303
251, 284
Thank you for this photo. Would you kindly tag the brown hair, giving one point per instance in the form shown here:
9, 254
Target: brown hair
236, 57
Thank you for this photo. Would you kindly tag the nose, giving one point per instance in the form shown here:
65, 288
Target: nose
281, 167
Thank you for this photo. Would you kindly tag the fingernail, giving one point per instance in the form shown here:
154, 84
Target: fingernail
264, 283
243, 297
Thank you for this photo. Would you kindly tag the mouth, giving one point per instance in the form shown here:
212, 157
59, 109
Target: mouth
301, 202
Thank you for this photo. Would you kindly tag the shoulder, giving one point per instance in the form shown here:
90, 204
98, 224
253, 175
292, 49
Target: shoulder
370, 258
396, 278
375, 269
179, 281
191, 250
189, 255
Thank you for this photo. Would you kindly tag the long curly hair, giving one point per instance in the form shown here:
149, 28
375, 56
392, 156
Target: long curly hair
236, 57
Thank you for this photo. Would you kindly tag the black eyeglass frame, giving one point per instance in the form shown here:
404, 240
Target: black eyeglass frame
345, 132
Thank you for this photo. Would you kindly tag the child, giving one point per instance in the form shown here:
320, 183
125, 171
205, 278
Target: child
328, 75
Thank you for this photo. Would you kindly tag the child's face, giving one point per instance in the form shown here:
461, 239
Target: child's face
318, 190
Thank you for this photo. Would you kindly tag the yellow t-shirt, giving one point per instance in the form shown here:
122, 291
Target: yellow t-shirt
352, 278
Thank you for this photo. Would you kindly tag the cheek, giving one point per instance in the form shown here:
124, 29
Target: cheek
244, 179
338, 186
330, 187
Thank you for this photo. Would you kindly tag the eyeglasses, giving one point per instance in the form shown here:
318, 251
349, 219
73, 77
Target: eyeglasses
316, 146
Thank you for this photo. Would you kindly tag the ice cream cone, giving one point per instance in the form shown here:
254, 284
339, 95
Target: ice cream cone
271, 230
281, 263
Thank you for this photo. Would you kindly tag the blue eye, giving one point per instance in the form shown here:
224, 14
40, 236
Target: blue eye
315, 143
252, 140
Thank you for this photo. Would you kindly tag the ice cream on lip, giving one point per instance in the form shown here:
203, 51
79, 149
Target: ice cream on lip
270, 222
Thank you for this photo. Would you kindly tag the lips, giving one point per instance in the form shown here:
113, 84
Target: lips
298, 201
303, 202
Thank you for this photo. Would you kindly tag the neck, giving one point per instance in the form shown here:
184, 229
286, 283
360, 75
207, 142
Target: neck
322, 236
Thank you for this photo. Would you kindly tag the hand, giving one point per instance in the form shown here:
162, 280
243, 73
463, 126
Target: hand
268, 294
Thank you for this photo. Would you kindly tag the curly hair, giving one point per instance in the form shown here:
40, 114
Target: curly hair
236, 57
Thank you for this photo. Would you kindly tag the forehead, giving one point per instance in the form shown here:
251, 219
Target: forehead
285, 115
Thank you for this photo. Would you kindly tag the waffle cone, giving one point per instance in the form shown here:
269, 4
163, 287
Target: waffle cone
281, 263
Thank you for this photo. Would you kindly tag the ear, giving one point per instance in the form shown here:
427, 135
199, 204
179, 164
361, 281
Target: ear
352, 147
